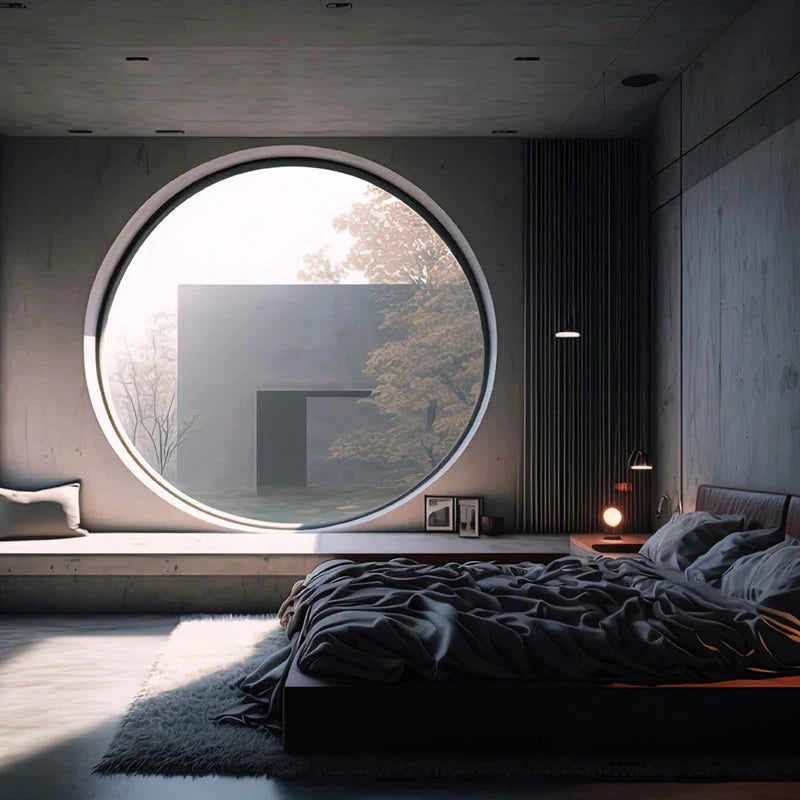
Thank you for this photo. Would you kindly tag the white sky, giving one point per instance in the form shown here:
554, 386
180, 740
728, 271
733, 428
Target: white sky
254, 227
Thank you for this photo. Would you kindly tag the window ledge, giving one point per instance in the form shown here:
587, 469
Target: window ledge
279, 553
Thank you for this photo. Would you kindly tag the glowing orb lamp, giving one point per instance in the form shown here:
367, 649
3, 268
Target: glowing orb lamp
612, 517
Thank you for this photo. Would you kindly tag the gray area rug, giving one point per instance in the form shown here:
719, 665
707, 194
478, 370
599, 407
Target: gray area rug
168, 729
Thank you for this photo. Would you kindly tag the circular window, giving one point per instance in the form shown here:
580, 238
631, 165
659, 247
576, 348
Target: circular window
292, 342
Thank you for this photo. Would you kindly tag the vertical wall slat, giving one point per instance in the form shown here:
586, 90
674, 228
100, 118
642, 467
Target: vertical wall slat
585, 412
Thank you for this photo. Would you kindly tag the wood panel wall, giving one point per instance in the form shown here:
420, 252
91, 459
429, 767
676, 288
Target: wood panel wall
586, 399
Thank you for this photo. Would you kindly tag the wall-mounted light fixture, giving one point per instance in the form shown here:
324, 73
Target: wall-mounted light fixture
638, 460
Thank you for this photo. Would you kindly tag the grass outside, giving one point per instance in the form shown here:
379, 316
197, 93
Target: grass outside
309, 505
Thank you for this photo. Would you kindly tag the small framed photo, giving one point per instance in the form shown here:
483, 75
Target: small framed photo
468, 516
440, 513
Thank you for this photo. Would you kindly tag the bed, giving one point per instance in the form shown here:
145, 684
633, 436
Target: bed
326, 692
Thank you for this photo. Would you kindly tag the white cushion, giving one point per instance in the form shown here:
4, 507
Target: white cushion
45, 513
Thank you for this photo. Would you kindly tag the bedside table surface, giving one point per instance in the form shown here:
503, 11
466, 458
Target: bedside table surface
604, 544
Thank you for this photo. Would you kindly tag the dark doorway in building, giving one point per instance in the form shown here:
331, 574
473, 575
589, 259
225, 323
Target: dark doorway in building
282, 435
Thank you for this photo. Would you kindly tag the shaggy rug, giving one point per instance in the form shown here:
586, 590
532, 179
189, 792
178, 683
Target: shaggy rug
168, 729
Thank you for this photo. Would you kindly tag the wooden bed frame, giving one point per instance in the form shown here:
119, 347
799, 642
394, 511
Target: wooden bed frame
747, 716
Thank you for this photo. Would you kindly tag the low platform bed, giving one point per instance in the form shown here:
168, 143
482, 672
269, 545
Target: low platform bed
472, 716
746, 714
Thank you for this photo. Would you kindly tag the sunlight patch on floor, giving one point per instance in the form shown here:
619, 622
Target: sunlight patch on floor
189, 658
61, 686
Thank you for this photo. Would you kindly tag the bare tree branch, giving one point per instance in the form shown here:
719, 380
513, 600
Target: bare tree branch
144, 385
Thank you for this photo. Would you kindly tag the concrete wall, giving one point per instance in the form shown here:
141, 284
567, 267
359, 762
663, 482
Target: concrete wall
725, 225
144, 594
63, 203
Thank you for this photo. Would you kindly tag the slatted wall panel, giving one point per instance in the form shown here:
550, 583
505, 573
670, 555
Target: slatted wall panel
586, 399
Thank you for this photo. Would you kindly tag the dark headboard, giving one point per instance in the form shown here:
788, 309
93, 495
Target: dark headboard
793, 518
762, 509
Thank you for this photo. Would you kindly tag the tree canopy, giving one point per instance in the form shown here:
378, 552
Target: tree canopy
427, 375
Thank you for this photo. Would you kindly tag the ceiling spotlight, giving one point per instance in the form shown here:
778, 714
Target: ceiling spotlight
504, 130
527, 58
637, 81
169, 130
80, 130
137, 58
568, 335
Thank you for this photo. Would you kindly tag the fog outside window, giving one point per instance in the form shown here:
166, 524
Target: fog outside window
292, 344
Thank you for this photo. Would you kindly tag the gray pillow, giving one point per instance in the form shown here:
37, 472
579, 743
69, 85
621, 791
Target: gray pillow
688, 536
710, 566
769, 578
46, 513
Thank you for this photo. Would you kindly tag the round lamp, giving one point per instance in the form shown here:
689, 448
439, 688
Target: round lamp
612, 517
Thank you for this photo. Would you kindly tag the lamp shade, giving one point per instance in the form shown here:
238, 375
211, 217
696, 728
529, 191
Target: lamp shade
638, 459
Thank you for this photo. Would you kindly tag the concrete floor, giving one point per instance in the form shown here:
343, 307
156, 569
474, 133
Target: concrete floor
65, 682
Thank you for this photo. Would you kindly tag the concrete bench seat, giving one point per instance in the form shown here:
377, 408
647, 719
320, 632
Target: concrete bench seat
215, 573
271, 553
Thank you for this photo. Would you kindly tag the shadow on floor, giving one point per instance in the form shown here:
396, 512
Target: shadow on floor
62, 773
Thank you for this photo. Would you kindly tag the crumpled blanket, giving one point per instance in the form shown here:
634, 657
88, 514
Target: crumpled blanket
586, 619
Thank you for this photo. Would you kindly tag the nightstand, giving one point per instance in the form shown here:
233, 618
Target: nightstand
623, 545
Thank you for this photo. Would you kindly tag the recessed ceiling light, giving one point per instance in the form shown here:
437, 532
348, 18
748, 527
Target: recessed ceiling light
80, 130
137, 58
527, 58
169, 130
505, 130
338, 6
637, 81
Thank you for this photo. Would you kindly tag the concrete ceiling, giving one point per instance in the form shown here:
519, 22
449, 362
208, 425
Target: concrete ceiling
379, 68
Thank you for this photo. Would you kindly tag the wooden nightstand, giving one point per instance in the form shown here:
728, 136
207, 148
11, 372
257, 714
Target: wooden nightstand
600, 544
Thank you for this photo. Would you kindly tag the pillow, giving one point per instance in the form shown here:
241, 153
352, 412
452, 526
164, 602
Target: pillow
687, 536
47, 513
710, 566
769, 578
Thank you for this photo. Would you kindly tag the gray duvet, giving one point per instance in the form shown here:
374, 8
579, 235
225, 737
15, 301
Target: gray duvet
584, 619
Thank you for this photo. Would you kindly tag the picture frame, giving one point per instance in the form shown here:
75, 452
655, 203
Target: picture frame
440, 513
468, 516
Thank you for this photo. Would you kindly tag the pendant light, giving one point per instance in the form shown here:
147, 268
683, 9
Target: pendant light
569, 327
